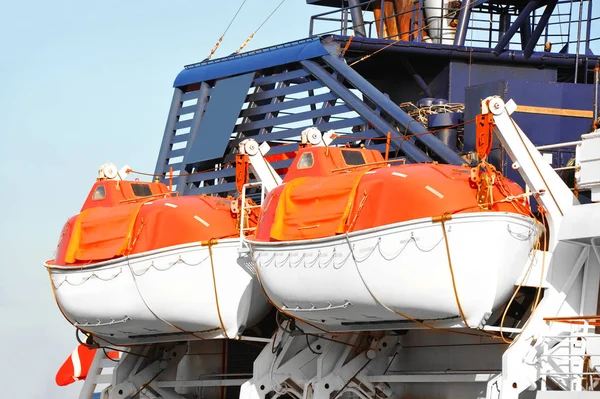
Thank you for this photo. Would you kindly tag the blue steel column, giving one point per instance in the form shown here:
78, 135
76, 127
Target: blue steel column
503, 41
525, 33
357, 18
198, 112
381, 126
169, 133
387, 105
541, 25
464, 17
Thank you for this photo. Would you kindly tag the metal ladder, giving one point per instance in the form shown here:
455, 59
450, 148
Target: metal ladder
95, 376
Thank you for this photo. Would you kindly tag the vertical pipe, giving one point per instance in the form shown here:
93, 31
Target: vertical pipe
588, 30
525, 33
416, 77
169, 132
504, 22
596, 83
390, 20
420, 27
198, 113
357, 19
539, 29
387, 145
512, 29
382, 19
578, 39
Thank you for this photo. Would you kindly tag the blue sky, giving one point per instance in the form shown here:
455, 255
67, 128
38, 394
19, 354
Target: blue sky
84, 83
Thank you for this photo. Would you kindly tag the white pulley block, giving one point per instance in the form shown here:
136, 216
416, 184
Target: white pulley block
251, 147
312, 135
108, 171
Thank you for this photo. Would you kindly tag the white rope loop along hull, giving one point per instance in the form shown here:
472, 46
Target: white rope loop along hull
368, 279
163, 295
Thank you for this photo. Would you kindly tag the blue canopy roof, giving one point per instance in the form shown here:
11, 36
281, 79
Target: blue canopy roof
251, 61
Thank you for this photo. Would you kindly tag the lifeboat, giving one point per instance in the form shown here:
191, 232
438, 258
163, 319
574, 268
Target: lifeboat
352, 242
139, 264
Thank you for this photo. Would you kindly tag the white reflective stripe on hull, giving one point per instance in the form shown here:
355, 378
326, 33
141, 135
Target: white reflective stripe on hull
373, 277
170, 291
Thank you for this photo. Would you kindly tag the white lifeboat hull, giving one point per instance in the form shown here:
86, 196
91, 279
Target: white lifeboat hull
164, 295
367, 280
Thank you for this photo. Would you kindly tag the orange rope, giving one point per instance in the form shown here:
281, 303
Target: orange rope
443, 219
210, 243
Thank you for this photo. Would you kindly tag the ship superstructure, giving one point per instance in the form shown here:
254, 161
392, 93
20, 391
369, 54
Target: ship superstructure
494, 89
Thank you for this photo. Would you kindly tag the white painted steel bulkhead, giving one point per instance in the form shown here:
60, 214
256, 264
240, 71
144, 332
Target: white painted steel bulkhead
158, 295
366, 280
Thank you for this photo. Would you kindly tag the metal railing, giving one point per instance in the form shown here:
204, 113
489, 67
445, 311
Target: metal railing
567, 360
568, 30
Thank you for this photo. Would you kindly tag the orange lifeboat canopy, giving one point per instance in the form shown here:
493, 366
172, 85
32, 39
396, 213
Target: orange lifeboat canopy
331, 191
121, 218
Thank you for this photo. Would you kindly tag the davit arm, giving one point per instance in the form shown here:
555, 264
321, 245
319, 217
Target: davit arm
550, 190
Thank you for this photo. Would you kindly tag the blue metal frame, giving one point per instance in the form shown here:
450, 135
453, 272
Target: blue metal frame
283, 100
307, 83
250, 61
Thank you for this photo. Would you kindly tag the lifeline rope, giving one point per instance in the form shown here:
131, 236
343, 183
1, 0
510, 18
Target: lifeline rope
210, 243
291, 316
539, 288
443, 219
260, 26
343, 136
157, 316
226, 29
516, 292
486, 334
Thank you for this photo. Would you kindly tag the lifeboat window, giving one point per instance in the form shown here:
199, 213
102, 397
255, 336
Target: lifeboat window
141, 190
99, 194
306, 161
353, 157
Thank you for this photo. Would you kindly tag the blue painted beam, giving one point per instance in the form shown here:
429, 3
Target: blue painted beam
280, 77
268, 108
251, 61
524, 14
284, 134
513, 57
539, 28
388, 106
464, 17
301, 116
383, 127
221, 188
282, 91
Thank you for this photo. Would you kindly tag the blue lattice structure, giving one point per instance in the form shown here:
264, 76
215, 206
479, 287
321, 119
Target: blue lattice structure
272, 95
360, 86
